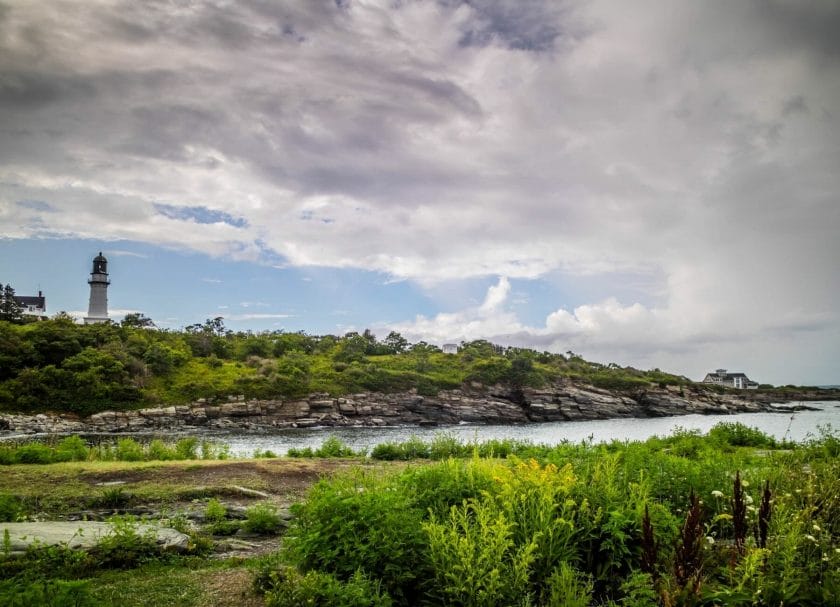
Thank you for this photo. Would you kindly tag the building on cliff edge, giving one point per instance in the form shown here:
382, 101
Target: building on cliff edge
721, 377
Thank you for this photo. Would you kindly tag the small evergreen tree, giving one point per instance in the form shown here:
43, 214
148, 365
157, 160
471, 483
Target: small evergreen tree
10, 309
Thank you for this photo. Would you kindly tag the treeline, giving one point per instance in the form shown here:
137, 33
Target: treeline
59, 365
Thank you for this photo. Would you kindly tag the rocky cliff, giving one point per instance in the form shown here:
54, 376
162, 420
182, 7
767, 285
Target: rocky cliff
564, 401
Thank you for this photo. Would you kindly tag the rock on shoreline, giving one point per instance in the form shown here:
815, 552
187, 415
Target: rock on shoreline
563, 401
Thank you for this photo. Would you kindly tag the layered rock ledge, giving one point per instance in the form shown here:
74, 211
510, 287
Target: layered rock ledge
564, 401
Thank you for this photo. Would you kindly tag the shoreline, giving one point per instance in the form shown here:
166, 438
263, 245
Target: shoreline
474, 404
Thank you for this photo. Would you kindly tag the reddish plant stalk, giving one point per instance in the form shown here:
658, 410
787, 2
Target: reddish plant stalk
650, 547
739, 516
689, 556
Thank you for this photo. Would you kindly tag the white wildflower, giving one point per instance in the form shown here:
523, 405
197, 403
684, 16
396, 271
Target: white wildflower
816, 527
717, 493
748, 499
808, 536
710, 540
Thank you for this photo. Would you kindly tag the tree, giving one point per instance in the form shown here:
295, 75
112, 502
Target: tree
137, 320
10, 309
396, 343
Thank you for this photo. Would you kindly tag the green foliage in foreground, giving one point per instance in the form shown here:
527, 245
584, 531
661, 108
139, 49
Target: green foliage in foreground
75, 449
682, 520
57, 576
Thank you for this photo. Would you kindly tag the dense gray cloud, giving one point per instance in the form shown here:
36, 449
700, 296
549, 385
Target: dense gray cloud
441, 140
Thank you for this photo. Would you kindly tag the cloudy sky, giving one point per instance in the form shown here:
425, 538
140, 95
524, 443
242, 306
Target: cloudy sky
649, 183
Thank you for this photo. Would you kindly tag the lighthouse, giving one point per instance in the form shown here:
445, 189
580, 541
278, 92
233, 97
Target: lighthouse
98, 281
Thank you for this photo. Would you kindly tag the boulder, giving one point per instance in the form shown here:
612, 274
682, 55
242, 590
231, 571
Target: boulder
82, 535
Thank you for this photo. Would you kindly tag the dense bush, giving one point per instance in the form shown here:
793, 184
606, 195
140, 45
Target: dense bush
262, 518
668, 521
45, 593
736, 434
74, 448
289, 588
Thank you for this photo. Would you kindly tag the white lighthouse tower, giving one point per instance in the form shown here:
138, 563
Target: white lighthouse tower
98, 281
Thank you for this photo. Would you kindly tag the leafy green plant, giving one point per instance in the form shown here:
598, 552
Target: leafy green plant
129, 450
11, 507
360, 521
187, 448
305, 452
292, 589
262, 518
475, 558
34, 453
158, 450
215, 511
567, 587
45, 593
334, 447
736, 434
125, 545
72, 448
112, 497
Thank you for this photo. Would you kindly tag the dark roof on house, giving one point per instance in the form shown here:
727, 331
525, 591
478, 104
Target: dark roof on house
31, 300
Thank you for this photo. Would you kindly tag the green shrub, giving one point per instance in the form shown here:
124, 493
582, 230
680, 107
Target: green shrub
305, 452
160, 451
737, 434
387, 452
215, 511
224, 527
8, 456
45, 593
334, 447
44, 561
125, 546
187, 448
292, 589
476, 560
446, 445
129, 450
10, 508
360, 522
569, 588
34, 453
112, 497
262, 518
74, 448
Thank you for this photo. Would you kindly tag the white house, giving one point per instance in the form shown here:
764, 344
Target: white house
32, 305
731, 380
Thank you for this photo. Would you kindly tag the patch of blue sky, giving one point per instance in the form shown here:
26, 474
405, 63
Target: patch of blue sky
534, 299
177, 288
199, 215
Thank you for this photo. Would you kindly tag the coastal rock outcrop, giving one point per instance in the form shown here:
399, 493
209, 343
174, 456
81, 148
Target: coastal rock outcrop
473, 403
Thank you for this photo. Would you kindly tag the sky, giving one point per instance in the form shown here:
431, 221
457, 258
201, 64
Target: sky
651, 184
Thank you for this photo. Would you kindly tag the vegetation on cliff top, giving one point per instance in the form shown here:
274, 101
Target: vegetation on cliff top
59, 365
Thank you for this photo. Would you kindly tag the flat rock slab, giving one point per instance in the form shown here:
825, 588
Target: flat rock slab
81, 535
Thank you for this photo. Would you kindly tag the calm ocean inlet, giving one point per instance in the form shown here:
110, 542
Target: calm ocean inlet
798, 426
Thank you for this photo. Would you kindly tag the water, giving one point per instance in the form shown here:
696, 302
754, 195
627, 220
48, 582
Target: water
795, 426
